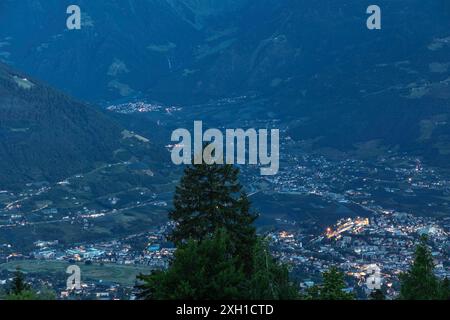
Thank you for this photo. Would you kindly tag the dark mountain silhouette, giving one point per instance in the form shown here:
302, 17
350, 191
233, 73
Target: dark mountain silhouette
46, 135
337, 84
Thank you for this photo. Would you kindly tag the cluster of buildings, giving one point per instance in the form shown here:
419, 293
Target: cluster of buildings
387, 239
141, 107
149, 250
378, 236
146, 249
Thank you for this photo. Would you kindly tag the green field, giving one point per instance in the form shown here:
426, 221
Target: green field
124, 275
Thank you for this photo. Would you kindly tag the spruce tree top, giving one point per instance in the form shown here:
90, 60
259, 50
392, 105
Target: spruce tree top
208, 198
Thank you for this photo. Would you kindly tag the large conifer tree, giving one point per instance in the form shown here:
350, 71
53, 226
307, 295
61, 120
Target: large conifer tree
219, 255
209, 198
420, 282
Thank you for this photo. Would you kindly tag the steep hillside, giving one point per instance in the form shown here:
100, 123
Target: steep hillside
123, 47
45, 135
